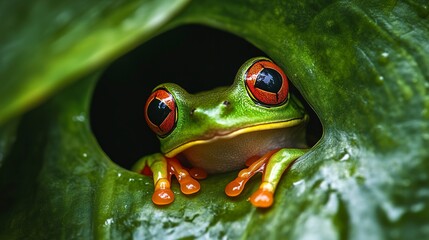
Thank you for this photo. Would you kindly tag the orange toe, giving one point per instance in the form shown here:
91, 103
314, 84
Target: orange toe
235, 187
163, 196
188, 185
262, 198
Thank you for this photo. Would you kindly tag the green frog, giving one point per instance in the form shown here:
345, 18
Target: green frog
255, 125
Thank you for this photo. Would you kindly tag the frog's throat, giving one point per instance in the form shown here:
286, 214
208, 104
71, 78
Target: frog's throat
259, 127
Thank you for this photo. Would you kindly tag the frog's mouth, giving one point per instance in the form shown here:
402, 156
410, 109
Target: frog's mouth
235, 133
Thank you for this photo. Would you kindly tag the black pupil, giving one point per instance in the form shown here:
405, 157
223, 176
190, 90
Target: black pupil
269, 80
157, 111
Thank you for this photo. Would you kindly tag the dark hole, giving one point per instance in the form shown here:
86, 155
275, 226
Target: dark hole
195, 57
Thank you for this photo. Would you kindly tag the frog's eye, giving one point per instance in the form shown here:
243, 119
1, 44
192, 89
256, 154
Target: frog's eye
161, 112
266, 83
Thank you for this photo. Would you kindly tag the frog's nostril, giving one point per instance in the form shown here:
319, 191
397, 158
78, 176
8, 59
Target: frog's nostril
225, 108
192, 111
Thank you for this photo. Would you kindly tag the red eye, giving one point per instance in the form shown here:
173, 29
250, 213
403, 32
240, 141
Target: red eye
266, 83
160, 112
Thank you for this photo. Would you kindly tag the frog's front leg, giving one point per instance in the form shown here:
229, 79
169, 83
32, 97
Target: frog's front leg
273, 164
162, 169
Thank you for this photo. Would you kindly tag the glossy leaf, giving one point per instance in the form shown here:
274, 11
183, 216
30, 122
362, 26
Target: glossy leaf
48, 44
363, 67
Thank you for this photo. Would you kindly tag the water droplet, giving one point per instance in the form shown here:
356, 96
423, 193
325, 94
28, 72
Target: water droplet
379, 80
298, 182
345, 157
109, 221
84, 155
422, 10
79, 118
119, 174
383, 58
300, 186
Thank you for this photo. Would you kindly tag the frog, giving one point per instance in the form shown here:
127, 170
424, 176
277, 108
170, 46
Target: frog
255, 125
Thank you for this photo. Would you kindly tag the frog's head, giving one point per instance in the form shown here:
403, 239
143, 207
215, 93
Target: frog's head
258, 100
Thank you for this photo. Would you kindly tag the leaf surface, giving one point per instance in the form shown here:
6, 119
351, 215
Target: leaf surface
363, 67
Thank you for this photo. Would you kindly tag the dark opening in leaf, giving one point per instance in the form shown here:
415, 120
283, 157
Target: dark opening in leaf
195, 57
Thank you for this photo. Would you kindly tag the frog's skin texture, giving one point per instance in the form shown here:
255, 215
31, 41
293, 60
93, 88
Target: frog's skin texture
255, 124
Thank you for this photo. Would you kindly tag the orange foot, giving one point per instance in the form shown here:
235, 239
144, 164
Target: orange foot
186, 178
263, 197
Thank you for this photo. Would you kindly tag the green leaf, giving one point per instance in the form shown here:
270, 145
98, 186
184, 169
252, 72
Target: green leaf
363, 67
46, 45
